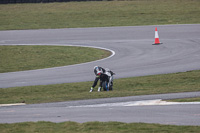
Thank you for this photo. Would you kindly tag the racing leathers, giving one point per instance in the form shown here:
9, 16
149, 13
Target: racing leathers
98, 71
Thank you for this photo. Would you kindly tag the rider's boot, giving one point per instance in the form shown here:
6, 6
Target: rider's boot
91, 89
99, 89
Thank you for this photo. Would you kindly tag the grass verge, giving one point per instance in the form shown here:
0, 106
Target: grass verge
156, 84
98, 14
94, 127
20, 58
195, 99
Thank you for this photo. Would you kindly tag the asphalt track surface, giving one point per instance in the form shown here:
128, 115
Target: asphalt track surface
113, 109
134, 56
134, 53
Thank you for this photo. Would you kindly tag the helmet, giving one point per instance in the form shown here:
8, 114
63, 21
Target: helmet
98, 71
95, 67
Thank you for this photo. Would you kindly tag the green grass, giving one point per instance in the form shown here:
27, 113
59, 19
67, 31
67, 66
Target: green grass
98, 14
19, 58
194, 99
156, 84
94, 127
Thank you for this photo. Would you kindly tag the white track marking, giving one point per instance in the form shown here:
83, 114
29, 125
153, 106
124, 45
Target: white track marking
139, 103
13, 104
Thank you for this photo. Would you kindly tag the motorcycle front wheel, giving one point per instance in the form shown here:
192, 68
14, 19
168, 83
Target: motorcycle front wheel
105, 86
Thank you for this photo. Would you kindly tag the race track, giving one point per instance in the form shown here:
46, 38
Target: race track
134, 56
108, 109
134, 53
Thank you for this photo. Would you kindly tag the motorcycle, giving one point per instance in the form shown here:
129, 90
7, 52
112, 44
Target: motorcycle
107, 80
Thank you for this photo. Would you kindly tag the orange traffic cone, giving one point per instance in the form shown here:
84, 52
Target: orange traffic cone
156, 37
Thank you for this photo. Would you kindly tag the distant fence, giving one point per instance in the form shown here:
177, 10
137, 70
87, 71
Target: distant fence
38, 1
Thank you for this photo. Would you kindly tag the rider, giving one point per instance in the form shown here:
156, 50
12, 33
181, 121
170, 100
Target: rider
98, 71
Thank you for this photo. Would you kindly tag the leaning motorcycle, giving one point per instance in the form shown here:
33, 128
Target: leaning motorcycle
107, 80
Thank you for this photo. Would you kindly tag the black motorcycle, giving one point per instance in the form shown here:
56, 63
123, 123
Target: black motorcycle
107, 80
